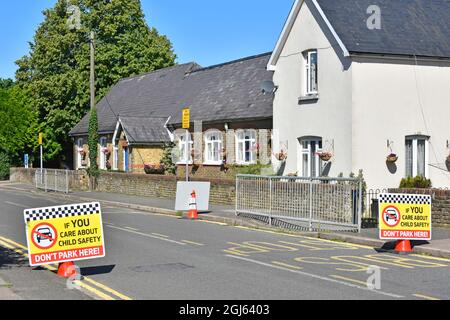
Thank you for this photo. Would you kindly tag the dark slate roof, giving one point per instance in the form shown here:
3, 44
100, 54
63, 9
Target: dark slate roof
409, 27
145, 130
154, 94
225, 92
229, 92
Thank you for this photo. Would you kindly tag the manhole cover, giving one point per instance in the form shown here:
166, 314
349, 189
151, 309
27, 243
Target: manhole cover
168, 267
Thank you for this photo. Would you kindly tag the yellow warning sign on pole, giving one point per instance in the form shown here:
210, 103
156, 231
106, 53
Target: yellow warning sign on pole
64, 233
186, 119
405, 217
41, 138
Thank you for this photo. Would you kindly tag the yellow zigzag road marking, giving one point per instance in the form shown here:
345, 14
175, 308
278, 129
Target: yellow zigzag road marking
10, 244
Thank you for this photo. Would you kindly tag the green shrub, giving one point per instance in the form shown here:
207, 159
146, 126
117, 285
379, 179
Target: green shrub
254, 169
93, 170
4, 166
170, 167
417, 182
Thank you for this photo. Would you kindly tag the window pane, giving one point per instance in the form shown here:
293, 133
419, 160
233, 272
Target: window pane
409, 158
305, 145
305, 165
421, 158
240, 155
313, 71
313, 159
247, 151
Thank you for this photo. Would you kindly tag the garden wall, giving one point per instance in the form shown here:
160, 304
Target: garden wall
223, 191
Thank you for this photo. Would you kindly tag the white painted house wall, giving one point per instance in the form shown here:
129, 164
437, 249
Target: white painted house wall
388, 99
363, 103
330, 116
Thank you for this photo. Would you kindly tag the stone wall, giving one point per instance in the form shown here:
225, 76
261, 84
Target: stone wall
160, 186
78, 180
223, 191
440, 209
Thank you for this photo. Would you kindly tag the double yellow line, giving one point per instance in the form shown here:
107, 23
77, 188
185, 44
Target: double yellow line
97, 289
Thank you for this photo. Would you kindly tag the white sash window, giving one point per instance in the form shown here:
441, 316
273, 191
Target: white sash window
311, 72
213, 148
246, 152
416, 156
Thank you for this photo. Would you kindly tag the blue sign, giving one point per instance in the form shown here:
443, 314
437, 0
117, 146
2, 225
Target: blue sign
26, 160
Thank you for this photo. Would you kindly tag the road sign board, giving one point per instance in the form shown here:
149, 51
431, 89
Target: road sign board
405, 217
41, 138
186, 118
26, 160
64, 233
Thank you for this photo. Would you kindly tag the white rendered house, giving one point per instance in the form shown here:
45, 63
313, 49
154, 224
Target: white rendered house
362, 79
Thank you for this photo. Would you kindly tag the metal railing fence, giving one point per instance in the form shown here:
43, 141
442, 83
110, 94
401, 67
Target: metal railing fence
308, 203
52, 180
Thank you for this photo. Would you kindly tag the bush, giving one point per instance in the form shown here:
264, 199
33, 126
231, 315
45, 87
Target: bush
417, 182
170, 167
4, 166
254, 169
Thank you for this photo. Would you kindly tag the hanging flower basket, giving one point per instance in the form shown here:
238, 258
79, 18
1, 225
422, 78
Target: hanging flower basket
82, 154
281, 156
392, 158
325, 156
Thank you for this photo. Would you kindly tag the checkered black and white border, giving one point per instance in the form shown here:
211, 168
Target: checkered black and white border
405, 198
72, 210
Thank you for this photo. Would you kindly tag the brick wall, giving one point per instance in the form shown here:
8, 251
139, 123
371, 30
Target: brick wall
204, 172
78, 180
440, 209
157, 186
160, 186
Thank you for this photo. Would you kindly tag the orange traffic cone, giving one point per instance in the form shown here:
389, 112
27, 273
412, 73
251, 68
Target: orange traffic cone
193, 213
403, 246
67, 270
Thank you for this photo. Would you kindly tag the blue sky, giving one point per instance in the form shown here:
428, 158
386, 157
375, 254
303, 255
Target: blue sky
206, 31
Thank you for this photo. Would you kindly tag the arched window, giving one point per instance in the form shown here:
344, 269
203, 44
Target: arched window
103, 148
213, 147
185, 147
246, 147
80, 153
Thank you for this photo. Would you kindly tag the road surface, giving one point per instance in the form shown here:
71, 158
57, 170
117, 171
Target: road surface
152, 256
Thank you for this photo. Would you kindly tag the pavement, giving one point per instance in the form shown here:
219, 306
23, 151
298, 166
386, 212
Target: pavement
157, 256
438, 247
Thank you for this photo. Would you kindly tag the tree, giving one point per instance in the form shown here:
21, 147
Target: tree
6, 83
19, 128
56, 72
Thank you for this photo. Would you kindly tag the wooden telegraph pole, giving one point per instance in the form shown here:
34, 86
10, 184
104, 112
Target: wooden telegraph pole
92, 80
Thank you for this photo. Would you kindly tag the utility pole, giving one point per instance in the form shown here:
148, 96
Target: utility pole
92, 81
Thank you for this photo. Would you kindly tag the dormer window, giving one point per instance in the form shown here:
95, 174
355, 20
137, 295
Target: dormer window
310, 72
